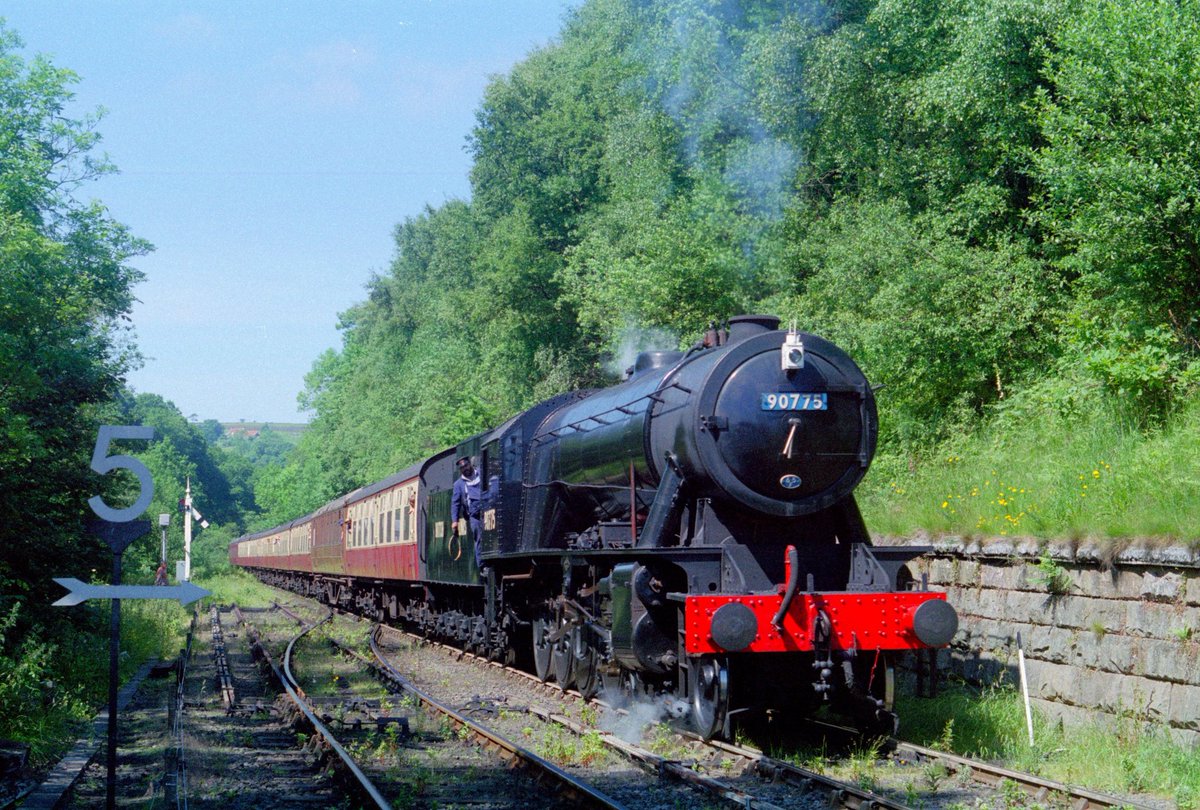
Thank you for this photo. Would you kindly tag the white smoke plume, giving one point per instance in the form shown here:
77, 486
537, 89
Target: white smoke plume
635, 339
705, 81
637, 715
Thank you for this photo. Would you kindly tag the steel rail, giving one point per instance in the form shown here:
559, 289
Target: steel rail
573, 788
283, 609
679, 770
1035, 786
364, 782
177, 776
843, 794
992, 775
221, 661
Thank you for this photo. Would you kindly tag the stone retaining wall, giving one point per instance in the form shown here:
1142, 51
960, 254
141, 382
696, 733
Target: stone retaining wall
1120, 637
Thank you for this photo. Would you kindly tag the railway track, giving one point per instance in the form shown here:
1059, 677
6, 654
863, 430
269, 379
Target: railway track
988, 776
1037, 788
724, 773
224, 743
323, 738
693, 767
546, 784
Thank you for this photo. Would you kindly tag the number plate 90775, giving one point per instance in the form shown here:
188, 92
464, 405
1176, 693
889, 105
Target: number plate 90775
795, 402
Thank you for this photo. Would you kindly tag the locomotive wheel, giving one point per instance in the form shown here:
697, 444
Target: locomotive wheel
564, 661
708, 690
586, 664
542, 649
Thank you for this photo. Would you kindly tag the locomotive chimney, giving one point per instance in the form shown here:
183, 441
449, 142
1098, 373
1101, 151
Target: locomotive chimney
746, 326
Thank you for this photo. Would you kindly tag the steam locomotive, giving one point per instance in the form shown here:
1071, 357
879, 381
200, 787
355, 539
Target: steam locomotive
690, 532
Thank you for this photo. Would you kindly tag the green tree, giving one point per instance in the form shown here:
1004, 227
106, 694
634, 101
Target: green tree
929, 104
212, 430
65, 290
1120, 168
945, 326
222, 504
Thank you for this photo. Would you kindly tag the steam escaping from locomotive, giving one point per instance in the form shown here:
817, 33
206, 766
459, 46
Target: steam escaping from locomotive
688, 536
633, 341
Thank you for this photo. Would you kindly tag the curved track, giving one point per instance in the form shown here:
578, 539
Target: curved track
843, 793
364, 786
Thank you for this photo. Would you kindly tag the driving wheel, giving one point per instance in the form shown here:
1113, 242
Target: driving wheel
708, 690
542, 649
563, 659
586, 664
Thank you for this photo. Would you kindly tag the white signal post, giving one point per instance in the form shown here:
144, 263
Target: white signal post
187, 532
189, 512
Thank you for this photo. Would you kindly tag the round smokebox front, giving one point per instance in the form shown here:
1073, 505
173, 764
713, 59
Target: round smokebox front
786, 441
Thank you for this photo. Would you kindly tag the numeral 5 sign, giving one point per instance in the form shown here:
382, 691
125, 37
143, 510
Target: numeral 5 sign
104, 464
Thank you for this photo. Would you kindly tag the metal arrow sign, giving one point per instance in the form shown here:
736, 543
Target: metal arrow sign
186, 592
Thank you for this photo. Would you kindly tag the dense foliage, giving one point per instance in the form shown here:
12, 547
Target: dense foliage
980, 200
65, 289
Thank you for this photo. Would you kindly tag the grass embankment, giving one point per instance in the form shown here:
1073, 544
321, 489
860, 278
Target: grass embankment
236, 587
56, 679
1127, 756
1050, 474
1095, 473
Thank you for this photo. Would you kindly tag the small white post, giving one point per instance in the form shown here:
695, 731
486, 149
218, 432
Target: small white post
164, 520
1025, 688
187, 532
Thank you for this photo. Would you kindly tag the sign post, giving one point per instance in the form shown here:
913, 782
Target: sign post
185, 593
164, 520
118, 536
118, 528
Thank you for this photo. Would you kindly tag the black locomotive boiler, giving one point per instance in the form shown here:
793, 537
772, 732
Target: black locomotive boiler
690, 532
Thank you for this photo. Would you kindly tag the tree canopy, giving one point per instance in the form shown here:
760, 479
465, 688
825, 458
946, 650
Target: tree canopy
975, 198
65, 295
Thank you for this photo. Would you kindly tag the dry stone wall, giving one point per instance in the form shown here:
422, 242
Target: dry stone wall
1106, 633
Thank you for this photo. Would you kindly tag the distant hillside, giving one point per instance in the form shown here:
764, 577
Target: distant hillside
290, 430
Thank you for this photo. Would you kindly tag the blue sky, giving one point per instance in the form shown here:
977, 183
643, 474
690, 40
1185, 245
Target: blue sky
268, 150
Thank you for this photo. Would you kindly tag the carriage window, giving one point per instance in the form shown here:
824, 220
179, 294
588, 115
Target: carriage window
405, 521
388, 537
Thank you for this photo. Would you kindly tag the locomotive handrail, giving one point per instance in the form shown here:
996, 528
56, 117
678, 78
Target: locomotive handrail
653, 396
793, 584
560, 482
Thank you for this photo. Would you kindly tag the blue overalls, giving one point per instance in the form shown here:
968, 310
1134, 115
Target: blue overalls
467, 501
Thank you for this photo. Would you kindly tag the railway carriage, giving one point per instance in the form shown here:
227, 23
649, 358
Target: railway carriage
283, 548
689, 533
